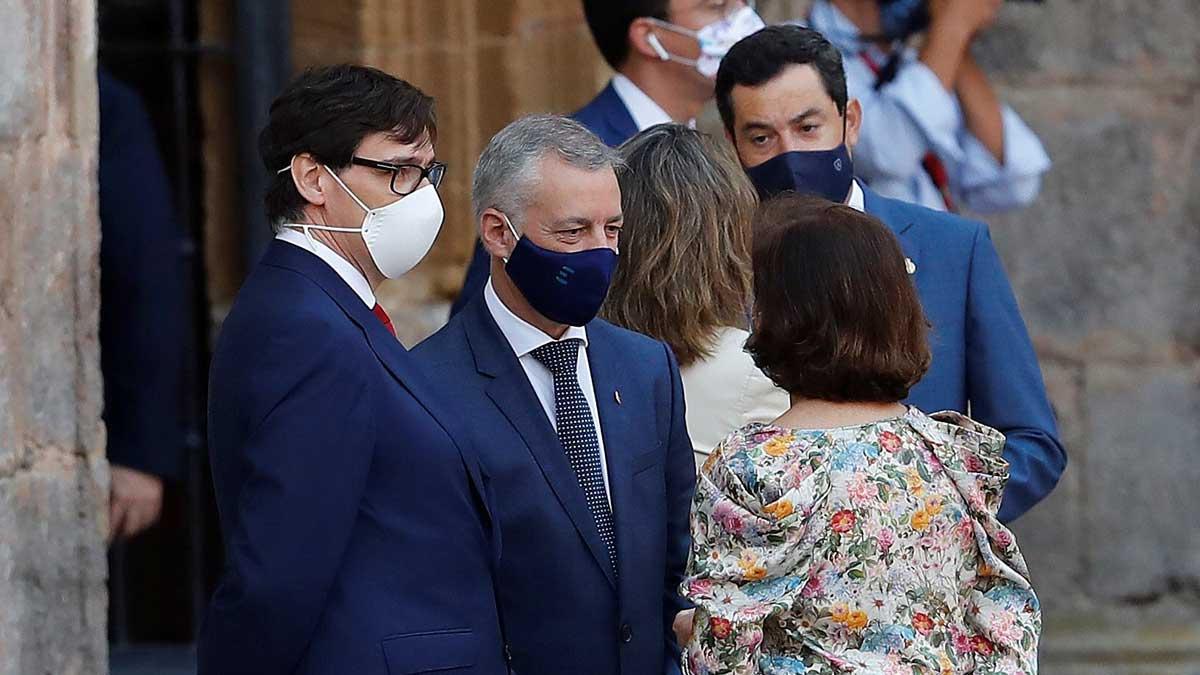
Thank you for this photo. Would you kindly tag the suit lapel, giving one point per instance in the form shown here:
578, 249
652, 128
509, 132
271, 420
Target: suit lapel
617, 117
510, 390
387, 348
901, 226
617, 424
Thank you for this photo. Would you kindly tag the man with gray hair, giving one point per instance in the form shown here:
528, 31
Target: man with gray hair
581, 423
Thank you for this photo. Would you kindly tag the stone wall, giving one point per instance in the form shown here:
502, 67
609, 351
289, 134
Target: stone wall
1105, 268
53, 477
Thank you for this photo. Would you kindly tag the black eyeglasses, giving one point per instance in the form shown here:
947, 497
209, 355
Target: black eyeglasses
406, 178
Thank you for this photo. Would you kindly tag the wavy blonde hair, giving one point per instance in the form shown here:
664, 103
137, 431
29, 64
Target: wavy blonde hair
685, 249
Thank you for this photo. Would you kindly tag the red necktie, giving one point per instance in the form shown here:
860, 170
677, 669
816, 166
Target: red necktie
383, 317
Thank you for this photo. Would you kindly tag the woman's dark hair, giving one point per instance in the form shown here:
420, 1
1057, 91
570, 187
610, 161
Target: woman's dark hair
609, 21
836, 316
327, 112
761, 57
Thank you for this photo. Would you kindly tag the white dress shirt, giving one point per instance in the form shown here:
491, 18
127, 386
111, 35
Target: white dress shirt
644, 111
523, 337
726, 392
857, 200
914, 114
348, 273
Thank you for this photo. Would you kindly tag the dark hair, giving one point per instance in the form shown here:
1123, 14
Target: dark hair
836, 316
327, 112
609, 22
759, 58
685, 247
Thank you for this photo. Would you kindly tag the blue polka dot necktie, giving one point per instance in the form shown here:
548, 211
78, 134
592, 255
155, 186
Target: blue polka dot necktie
577, 433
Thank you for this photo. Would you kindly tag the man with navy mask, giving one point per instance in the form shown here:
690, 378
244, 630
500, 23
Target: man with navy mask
355, 521
782, 97
664, 54
580, 423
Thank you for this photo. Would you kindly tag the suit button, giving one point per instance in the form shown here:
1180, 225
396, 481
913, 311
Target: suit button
626, 633
507, 654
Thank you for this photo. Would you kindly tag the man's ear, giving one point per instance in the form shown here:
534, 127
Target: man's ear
643, 41
497, 238
307, 175
853, 122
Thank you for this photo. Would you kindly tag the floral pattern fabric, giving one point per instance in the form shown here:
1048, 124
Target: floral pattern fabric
864, 549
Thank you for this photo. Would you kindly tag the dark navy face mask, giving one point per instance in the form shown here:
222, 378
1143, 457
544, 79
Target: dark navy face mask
567, 288
824, 173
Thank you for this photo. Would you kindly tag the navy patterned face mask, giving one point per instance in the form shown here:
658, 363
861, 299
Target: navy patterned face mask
567, 288
824, 173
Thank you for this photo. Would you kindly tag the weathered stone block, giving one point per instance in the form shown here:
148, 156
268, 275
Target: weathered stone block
1088, 39
1140, 476
1105, 259
22, 89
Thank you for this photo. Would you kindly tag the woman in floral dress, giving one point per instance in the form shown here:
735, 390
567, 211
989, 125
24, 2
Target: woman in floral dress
853, 534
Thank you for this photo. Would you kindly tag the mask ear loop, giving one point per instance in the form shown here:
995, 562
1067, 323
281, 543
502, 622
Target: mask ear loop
312, 244
307, 227
516, 237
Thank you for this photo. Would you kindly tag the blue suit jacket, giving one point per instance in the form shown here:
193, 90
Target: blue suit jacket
982, 355
357, 536
564, 611
607, 117
144, 309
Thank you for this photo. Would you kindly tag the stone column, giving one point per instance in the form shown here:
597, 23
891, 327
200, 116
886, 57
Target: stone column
53, 477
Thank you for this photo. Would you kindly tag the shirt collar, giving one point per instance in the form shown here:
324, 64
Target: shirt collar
523, 336
349, 274
644, 111
857, 200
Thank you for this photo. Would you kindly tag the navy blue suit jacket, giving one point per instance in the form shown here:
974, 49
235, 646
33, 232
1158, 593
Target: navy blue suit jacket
564, 611
357, 534
982, 356
144, 313
607, 117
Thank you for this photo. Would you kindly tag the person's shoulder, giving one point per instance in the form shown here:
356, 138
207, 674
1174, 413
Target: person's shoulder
941, 225
283, 302
595, 109
446, 342
635, 343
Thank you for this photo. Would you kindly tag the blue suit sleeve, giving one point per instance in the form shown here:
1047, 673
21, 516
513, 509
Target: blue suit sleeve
681, 484
143, 310
307, 464
1004, 383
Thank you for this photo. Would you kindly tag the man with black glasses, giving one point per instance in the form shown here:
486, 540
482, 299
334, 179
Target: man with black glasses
354, 516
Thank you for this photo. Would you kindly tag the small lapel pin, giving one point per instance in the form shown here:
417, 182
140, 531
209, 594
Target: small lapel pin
617, 395
910, 266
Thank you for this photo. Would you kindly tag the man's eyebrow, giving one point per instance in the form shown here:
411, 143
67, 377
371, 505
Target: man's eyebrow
806, 114
572, 220
401, 159
755, 125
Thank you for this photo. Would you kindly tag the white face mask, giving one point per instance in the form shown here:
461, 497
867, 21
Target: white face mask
397, 235
715, 39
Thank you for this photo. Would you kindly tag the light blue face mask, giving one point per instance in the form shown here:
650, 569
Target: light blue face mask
715, 39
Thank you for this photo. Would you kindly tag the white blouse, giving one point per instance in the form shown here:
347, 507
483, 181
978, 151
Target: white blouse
727, 391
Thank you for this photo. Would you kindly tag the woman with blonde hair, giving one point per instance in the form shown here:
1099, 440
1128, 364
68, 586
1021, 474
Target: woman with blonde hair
684, 276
